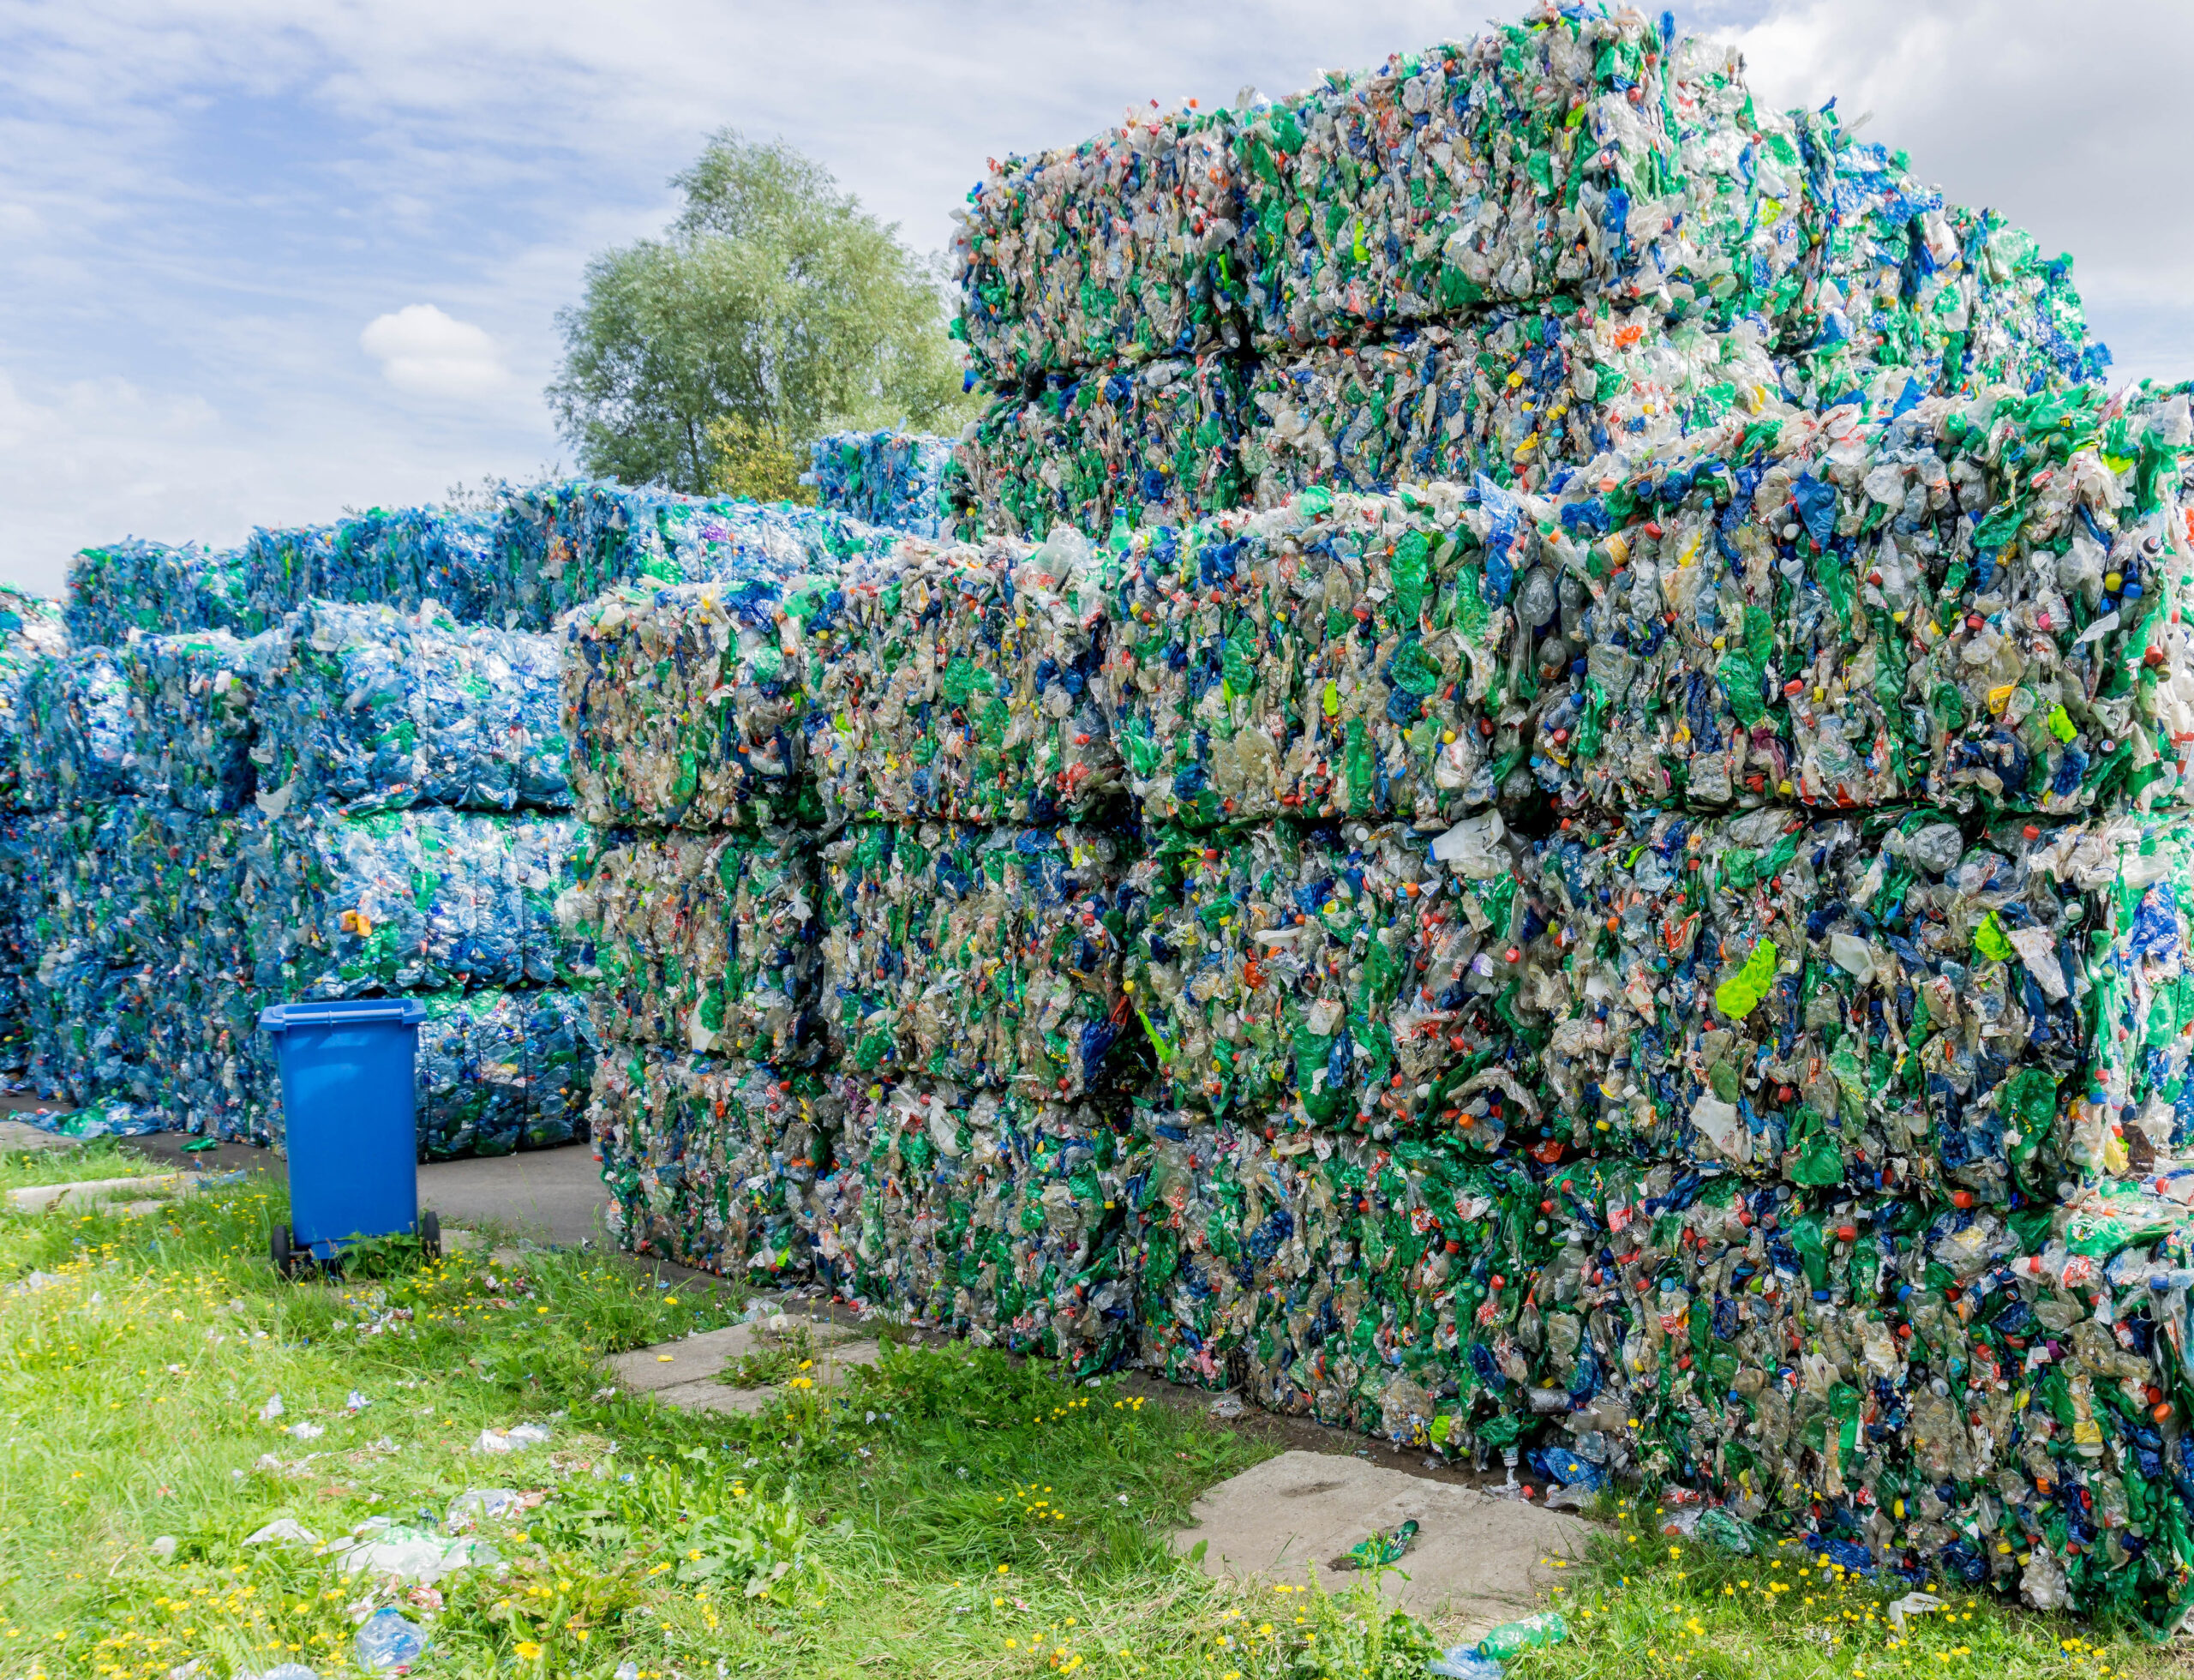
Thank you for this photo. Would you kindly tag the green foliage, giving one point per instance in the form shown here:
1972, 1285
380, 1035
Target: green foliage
750, 460
774, 299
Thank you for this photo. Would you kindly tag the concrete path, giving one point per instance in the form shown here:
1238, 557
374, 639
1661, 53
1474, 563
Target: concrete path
684, 1373
1479, 1558
550, 1196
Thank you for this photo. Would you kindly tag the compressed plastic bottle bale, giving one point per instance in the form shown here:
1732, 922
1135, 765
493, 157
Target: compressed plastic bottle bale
500, 1070
1691, 628
411, 901
157, 589
687, 707
365, 708
893, 478
409, 556
566, 543
1157, 444
193, 715
2103, 914
1122, 249
990, 957
33, 633
996, 1218
1337, 655
706, 943
1803, 1000
79, 745
958, 682
1919, 1388
1374, 1286
1877, 605
1339, 976
713, 1162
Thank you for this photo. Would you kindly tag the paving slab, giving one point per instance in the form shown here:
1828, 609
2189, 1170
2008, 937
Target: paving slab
684, 1373
708, 1395
37, 1198
1478, 1559
22, 1135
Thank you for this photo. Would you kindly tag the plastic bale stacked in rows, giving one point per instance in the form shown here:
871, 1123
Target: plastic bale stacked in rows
685, 710
1842, 1138
974, 910
214, 791
983, 1212
31, 634
895, 479
1411, 272
950, 943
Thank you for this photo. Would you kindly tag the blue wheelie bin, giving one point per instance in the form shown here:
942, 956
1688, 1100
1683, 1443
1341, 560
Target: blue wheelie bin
351, 1110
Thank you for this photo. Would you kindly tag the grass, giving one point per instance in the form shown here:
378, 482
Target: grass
951, 1512
1643, 1605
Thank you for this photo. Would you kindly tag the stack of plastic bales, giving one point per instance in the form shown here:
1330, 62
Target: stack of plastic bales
319, 765
545, 550
855, 826
1576, 224
1652, 682
893, 478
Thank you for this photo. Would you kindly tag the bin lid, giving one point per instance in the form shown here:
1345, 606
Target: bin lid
343, 1011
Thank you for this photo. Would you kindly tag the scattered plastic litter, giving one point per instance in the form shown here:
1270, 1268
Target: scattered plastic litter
285, 1530
1512, 1639
1380, 1550
382, 1546
1462, 1662
515, 1439
389, 1642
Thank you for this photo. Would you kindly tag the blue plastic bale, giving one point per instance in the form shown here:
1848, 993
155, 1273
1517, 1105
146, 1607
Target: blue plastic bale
366, 708
891, 478
79, 744
31, 634
193, 717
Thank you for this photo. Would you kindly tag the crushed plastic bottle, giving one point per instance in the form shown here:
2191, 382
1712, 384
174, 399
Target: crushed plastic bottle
389, 1642
1380, 1550
1512, 1639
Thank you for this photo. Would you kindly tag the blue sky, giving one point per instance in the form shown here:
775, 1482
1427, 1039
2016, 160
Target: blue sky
263, 258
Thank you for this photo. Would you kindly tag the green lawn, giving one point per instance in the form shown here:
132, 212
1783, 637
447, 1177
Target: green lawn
954, 1512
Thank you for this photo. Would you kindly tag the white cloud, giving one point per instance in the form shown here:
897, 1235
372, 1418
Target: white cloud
422, 351
201, 201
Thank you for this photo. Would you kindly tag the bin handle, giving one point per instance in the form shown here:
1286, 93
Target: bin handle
391, 1011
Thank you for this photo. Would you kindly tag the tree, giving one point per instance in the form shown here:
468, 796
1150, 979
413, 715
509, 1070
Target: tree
774, 302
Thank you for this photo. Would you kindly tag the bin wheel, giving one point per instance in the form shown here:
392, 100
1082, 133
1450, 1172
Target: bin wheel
430, 1233
286, 1259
